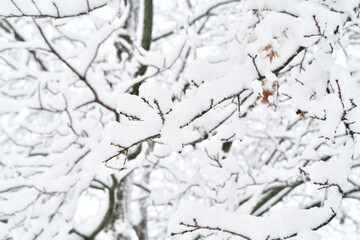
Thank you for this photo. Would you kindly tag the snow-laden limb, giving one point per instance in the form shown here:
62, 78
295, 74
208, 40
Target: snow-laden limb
142, 122
334, 172
191, 216
44, 8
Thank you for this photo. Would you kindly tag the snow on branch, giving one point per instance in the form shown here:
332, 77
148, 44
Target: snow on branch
191, 216
48, 8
